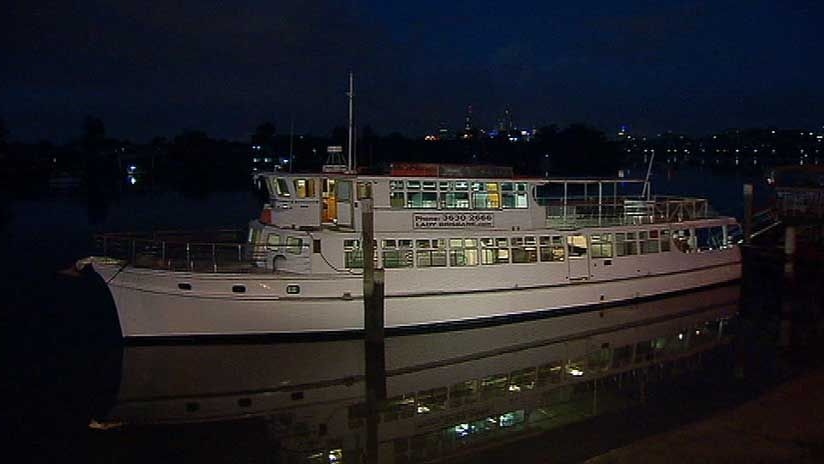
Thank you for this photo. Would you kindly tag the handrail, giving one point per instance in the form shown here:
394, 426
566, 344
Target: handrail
624, 210
145, 251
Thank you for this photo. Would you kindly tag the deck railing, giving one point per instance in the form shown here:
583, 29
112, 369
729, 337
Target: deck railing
572, 212
215, 251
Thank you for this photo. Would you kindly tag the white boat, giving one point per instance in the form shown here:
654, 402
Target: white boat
458, 244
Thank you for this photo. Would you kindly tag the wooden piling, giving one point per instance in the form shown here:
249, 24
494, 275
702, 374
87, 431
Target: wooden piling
373, 325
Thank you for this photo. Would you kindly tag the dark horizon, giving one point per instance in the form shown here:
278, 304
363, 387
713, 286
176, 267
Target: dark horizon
654, 67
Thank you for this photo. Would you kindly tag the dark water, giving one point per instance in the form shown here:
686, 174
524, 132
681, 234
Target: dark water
578, 385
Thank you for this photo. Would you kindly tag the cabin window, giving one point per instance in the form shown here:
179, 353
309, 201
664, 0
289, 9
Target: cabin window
577, 246
626, 244
352, 254
601, 245
281, 187
494, 251
649, 242
305, 188
429, 185
522, 253
514, 195
430, 253
364, 190
397, 253
294, 245
461, 185
254, 235
397, 199
343, 190
274, 240
486, 195
551, 248
413, 185
456, 200
463, 252
422, 200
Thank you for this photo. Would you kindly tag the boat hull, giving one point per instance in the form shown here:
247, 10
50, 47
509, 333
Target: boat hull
148, 307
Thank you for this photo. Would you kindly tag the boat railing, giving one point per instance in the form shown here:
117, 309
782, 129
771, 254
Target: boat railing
217, 251
576, 212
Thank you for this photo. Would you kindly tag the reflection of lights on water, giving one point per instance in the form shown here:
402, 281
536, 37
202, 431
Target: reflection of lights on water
335, 455
423, 409
462, 430
574, 371
132, 180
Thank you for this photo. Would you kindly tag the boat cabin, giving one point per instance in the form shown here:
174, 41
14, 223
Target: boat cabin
413, 196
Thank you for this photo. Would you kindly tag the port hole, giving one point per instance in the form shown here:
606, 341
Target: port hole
184, 286
293, 289
244, 402
192, 407
297, 396
239, 288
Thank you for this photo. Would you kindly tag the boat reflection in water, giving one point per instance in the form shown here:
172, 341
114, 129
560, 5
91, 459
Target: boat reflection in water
446, 392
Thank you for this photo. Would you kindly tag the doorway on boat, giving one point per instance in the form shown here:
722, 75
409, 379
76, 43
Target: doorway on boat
329, 214
336, 195
578, 257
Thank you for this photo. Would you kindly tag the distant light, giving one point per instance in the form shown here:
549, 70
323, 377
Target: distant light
132, 168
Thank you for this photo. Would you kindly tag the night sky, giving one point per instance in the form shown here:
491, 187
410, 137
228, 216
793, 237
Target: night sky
158, 67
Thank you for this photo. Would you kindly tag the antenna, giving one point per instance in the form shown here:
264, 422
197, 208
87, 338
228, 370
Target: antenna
351, 95
646, 191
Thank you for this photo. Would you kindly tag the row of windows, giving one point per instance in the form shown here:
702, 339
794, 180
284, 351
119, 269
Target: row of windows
458, 252
461, 194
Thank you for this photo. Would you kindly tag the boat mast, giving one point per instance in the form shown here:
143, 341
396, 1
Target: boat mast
351, 95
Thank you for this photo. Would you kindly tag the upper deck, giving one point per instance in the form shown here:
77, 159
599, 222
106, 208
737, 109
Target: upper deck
467, 197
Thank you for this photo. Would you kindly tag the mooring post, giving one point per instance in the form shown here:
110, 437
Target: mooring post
373, 325
747, 213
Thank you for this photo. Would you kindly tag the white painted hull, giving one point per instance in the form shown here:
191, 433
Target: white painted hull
150, 304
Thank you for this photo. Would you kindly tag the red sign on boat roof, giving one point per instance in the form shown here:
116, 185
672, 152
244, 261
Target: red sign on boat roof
450, 170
